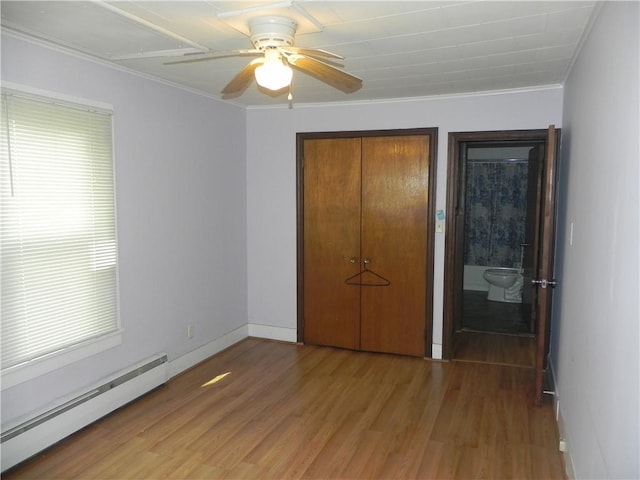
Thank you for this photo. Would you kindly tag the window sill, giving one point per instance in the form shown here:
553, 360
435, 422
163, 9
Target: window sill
22, 373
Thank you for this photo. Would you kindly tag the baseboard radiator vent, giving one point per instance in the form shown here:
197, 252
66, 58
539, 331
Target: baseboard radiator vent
34, 435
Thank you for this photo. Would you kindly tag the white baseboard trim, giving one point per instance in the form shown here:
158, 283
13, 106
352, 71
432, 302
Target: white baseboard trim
196, 356
273, 333
200, 354
41, 431
28, 443
568, 461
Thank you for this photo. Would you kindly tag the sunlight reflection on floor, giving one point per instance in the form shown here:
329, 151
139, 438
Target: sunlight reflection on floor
215, 380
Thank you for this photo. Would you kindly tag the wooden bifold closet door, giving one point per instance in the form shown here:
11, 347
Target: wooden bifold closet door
365, 210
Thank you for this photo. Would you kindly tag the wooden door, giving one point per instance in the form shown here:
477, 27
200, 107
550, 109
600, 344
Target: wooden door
366, 199
394, 239
532, 233
331, 226
457, 261
544, 280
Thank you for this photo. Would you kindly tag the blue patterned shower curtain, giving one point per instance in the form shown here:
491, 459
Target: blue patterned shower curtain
495, 213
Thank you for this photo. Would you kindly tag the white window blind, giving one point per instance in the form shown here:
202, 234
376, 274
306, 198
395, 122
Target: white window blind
57, 221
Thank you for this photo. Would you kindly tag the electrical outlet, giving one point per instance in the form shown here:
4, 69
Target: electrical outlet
189, 331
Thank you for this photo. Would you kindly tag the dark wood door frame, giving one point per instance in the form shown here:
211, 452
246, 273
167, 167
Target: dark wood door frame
546, 259
454, 261
431, 204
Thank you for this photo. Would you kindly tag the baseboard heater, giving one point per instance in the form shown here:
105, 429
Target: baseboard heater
34, 435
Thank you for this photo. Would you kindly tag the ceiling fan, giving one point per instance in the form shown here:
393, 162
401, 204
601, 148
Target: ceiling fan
272, 38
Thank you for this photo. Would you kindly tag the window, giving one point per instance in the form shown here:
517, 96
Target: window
57, 229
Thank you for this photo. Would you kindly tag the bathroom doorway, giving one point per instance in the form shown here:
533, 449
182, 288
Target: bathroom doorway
495, 198
499, 201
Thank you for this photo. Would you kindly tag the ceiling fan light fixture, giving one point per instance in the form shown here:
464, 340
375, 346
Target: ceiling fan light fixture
273, 74
273, 39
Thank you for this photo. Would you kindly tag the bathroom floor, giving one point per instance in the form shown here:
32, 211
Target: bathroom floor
480, 314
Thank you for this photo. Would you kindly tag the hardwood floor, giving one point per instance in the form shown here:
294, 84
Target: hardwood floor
496, 348
493, 332
264, 410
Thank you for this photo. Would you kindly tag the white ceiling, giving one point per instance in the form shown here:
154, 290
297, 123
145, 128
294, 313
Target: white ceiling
399, 49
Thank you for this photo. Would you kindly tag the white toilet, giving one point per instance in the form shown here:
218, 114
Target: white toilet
505, 285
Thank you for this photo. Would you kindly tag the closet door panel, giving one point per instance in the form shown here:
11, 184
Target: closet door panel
394, 239
332, 181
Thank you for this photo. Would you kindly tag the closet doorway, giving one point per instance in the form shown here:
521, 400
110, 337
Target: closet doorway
365, 240
499, 247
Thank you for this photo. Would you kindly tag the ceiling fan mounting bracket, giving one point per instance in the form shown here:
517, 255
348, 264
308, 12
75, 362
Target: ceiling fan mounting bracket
272, 31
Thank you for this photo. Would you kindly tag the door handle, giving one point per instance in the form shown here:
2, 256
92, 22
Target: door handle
353, 259
544, 283
366, 261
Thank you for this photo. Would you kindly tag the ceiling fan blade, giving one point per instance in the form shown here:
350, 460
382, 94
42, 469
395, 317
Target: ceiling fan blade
292, 57
242, 80
312, 52
221, 54
328, 74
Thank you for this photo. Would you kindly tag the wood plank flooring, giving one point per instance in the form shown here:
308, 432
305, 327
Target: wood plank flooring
497, 348
264, 410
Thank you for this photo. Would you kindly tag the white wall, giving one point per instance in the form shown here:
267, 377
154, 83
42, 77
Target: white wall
271, 177
473, 278
181, 214
596, 335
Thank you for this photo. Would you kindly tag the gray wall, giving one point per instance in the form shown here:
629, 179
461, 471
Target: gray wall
181, 202
596, 336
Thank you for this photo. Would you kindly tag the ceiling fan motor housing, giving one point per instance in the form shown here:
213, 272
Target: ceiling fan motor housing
271, 31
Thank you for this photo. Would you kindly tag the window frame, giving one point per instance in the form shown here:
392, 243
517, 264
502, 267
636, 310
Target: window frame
47, 363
